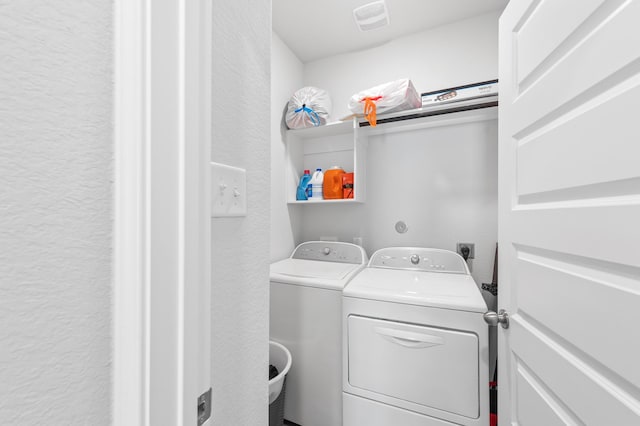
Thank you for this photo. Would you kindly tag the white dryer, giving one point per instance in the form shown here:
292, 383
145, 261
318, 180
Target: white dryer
306, 317
415, 345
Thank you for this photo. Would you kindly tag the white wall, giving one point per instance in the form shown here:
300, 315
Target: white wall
240, 246
286, 78
450, 55
442, 182
55, 212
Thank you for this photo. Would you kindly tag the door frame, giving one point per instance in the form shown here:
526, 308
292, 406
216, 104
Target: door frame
161, 237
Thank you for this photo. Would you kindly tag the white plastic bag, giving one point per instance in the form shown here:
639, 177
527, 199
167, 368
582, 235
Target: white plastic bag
308, 107
393, 96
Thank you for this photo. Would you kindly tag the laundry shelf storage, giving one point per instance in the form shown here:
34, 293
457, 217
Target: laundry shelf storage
334, 144
332, 201
345, 143
329, 129
453, 113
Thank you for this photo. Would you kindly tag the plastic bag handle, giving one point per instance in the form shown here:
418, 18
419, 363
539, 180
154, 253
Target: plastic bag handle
370, 109
313, 116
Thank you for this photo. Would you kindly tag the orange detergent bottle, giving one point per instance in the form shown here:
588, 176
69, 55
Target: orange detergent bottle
332, 185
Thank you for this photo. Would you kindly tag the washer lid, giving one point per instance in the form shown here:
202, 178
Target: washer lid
313, 273
415, 285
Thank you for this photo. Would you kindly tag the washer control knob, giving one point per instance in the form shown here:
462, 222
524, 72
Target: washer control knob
415, 259
326, 251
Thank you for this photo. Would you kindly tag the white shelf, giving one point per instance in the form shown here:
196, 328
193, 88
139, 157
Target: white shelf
344, 143
469, 116
446, 114
334, 144
336, 201
329, 129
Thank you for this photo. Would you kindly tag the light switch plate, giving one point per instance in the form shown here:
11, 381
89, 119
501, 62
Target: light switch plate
229, 191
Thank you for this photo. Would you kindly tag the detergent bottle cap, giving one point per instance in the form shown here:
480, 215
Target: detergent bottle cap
307, 172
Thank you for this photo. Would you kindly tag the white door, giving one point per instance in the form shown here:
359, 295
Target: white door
569, 225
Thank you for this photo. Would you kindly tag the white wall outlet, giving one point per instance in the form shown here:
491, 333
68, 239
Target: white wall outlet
229, 191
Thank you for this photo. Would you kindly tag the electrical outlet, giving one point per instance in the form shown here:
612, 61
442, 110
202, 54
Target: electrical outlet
470, 246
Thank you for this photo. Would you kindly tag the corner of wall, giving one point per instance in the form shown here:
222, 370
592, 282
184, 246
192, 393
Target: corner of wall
286, 77
241, 84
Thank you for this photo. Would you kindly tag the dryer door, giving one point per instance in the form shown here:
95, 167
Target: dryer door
432, 367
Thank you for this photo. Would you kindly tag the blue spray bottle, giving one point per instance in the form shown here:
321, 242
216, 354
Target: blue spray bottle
301, 193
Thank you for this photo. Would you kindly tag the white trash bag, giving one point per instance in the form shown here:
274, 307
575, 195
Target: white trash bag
393, 96
308, 107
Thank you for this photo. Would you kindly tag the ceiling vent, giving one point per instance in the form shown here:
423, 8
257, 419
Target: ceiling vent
371, 16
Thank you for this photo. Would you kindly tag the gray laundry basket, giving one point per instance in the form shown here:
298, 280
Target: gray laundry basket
280, 357
276, 408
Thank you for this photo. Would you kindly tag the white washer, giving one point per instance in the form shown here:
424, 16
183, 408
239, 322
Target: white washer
306, 317
415, 345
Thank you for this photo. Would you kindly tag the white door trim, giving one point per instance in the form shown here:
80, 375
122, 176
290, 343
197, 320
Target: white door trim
130, 275
162, 104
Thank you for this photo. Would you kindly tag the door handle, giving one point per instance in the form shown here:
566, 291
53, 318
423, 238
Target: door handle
493, 319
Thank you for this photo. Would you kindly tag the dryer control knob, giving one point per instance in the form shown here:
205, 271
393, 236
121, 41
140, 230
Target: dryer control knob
326, 250
415, 259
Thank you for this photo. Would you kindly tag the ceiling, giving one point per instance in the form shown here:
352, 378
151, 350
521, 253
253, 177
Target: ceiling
321, 28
